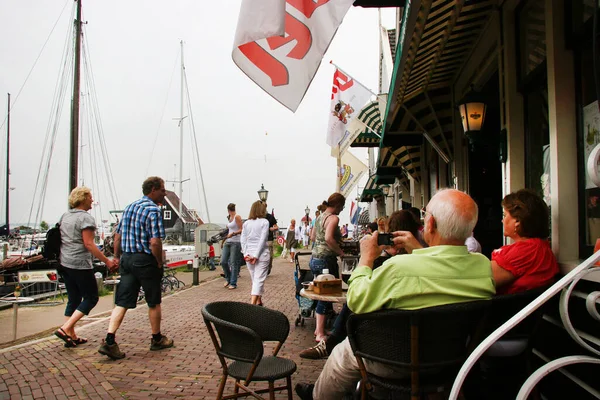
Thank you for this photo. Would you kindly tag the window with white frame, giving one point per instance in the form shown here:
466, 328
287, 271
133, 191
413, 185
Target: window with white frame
167, 215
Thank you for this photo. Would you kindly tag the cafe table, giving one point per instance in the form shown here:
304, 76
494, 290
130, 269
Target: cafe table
339, 297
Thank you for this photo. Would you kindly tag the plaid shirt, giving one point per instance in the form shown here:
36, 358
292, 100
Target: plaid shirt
141, 221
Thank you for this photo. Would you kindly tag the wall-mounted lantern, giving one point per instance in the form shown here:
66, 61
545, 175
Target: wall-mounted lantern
472, 114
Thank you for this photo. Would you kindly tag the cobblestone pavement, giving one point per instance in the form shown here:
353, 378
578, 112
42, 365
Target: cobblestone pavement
44, 369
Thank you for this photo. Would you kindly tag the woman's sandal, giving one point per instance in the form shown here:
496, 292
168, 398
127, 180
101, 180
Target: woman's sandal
77, 342
65, 338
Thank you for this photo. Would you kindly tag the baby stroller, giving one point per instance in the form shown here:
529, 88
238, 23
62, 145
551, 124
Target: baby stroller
302, 273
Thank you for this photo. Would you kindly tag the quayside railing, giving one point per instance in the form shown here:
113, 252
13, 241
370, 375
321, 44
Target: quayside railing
566, 284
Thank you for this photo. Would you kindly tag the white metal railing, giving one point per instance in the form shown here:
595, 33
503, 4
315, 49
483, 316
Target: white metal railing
569, 280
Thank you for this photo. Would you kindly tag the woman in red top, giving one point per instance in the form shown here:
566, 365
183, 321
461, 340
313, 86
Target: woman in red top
528, 263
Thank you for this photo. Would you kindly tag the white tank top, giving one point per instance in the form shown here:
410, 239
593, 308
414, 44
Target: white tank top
233, 227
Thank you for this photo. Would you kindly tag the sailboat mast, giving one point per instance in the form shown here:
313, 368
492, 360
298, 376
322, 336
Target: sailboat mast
181, 148
74, 148
8, 168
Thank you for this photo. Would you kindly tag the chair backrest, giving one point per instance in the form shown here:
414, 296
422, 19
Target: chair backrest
505, 306
439, 335
242, 328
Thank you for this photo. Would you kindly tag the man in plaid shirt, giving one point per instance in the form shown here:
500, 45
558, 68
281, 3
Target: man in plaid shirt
138, 240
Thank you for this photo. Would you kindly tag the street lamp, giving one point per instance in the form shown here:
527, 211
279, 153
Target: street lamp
263, 193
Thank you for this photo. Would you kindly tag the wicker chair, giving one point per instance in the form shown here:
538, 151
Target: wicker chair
241, 329
426, 346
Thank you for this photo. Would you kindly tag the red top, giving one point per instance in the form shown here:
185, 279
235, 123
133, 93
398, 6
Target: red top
531, 261
211, 251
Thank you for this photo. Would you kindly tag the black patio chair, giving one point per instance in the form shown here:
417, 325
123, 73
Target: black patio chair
241, 330
508, 362
503, 308
426, 346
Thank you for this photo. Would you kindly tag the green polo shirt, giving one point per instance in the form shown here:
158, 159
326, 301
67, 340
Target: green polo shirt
428, 277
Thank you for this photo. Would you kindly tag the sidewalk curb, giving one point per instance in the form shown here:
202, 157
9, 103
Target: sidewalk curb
103, 317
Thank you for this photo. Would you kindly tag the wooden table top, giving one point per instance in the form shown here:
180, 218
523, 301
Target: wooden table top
339, 297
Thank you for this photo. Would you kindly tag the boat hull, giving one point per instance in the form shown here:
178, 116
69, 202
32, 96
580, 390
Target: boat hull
178, 256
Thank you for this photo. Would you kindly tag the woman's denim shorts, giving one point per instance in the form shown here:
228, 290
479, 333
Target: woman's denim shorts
317, 265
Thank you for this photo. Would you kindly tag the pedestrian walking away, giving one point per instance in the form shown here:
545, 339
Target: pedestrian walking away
138, 240
77, 228
254, 248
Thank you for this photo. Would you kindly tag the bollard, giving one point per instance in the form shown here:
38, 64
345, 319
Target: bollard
99, 281
196, 271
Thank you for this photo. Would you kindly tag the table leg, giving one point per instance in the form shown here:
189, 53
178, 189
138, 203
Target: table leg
15, 312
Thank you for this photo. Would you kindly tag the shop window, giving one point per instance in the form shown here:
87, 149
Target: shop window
537, 143
581, 11
588, 138
434, 183
534, 87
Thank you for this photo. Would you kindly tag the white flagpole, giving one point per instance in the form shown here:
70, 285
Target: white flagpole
369, 128
338, 182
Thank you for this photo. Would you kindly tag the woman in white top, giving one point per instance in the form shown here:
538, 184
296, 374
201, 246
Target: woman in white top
305, 234
255, 250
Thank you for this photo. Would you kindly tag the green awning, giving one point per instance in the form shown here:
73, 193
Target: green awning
399, 163
370, 117
435, 39
371, 189
366, 139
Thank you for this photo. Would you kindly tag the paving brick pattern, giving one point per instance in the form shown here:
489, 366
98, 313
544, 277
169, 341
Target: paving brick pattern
44, 369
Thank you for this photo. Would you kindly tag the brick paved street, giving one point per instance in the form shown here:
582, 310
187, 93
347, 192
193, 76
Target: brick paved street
44, 369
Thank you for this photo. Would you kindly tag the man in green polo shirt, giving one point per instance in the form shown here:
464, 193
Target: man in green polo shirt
443, 273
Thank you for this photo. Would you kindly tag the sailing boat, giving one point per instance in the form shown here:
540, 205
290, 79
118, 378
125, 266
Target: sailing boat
22, 250
180, 255
75, 161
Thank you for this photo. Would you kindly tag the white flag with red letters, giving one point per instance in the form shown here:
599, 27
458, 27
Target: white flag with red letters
279, 44
347, 98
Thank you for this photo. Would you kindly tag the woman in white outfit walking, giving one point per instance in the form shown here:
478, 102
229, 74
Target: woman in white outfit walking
256, 252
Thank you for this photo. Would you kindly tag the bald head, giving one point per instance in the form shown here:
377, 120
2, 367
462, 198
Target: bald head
455, 214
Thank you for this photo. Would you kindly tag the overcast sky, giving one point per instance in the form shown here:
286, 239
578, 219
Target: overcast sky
134, 49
